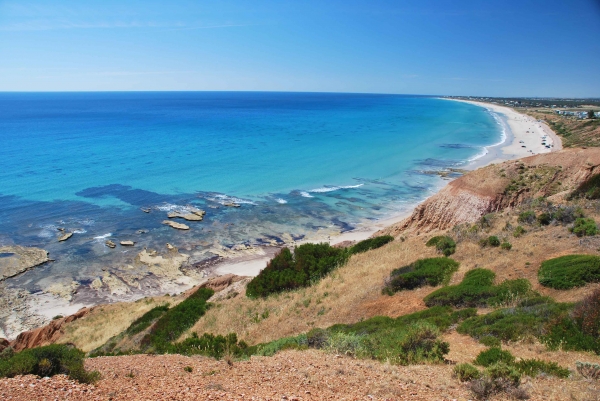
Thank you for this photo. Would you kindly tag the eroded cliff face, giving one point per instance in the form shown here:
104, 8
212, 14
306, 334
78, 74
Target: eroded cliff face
498, 187
45, 335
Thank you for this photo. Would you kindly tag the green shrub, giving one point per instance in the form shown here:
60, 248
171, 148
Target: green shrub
501, 371
287, 271
351, 344
443, 244
533, 367
507, 246
584, 227
48, 361
527, 217
466, 372
567, 215
371, 243
270, 349
146, 319
477, 289
432, 272
210, 345
492, 356
176, 320
569, 271
489, 241
490, 341
544, 219
519, 231
317, 338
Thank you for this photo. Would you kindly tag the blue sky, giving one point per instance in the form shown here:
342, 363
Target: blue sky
481, 47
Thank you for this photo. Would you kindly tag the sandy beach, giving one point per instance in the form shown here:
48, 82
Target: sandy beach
524, 137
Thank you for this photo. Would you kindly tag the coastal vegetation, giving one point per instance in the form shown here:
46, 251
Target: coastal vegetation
45, 361
477, 289
443, 243
431, 271
305, 265
569, 271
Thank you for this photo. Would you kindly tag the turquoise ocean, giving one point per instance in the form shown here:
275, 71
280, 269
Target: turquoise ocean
294, 162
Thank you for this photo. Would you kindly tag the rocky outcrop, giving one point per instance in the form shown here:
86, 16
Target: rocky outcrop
498, 187
226, 286
110, 244
45, 335
65, 237
179, 226
127, 243
193, 215
17, 259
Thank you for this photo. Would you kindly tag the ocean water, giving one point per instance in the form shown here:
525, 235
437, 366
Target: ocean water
296, 163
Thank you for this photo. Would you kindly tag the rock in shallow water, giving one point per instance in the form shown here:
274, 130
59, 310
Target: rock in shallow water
65, 237
20, 259
178, 226
127, 243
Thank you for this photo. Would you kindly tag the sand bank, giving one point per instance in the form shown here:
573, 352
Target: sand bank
525, 136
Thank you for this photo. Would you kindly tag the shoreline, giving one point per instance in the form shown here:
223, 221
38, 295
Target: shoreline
517, 127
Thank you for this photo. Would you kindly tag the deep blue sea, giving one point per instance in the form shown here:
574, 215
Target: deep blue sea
295, 162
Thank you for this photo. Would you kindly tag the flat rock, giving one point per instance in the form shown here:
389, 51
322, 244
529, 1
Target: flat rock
127, 243
65, 237
194, 215
178, 226
17, 259
231, 204
110, 244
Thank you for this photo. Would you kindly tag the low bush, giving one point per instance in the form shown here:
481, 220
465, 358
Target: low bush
287, 271
444, 244
477, 290
413, 338
587, 314
371, 243
551, 322
146, 319
210, 345
544, 219
465, 372
507, 246
176, 320
588, 370
489, 241
498, 378
567, 214
569, 271
534, 367
584, 227
48, 361
494, 355
518, 232
527, 217
432, 272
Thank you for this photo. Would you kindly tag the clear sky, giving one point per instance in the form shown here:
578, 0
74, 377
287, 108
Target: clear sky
455, 47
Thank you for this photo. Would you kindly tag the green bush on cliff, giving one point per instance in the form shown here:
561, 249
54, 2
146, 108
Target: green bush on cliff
431, 271
584, 227
371, 243
287, 271
569, 271
48, 361
176, 320
143, 322
477, 290
409, 339
444, 244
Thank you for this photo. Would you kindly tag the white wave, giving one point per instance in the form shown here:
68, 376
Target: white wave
223, 199
79, 231
102, 237
306, 194
479, 155
87, 222
281, 201
334, 188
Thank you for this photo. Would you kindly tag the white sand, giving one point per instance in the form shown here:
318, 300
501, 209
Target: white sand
524, 136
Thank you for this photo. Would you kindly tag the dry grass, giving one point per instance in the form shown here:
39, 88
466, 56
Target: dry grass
106, 321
